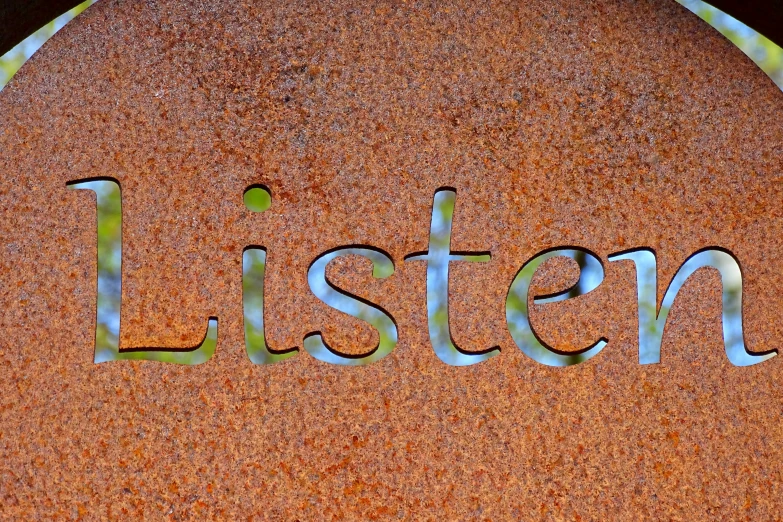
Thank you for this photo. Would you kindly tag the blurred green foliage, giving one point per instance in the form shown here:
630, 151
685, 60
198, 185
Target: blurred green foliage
257, 199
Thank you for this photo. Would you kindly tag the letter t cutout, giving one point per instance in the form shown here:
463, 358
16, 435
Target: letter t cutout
438, 257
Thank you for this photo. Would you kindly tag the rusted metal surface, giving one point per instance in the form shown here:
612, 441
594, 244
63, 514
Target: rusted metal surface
605, 126
19, 18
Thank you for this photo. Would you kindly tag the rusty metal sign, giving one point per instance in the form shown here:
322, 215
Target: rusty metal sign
390, 261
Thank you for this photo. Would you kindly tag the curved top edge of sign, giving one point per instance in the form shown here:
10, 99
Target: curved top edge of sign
20, 18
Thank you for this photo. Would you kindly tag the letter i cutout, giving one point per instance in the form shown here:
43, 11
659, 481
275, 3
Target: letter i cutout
257, 199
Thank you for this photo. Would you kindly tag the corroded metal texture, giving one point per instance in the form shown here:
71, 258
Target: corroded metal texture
604, 125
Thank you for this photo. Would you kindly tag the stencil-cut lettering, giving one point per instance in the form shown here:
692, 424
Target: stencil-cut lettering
438, 258
652, 320
591, 275
107, 329
257, 198
253, 272
354, 306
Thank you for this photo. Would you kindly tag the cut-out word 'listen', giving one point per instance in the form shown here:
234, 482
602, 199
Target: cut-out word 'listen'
652, 319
